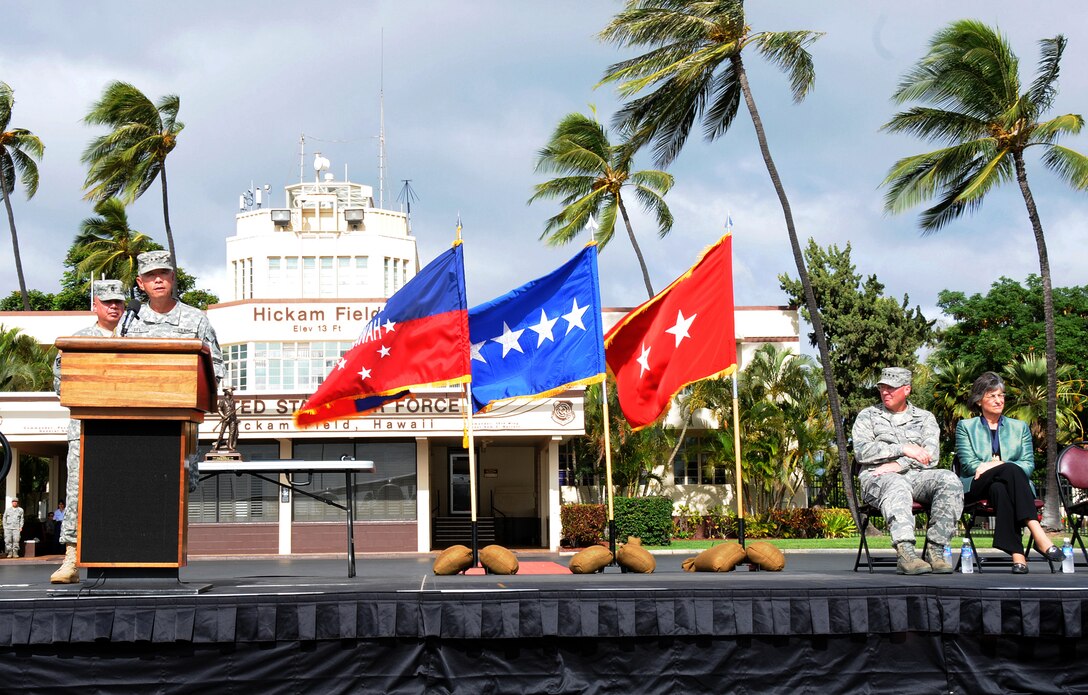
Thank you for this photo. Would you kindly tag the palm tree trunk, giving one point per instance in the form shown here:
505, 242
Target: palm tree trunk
15, 249
810, 297
166, 218
1052, 499
634, 243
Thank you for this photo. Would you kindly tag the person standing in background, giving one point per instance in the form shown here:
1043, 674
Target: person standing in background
109, 303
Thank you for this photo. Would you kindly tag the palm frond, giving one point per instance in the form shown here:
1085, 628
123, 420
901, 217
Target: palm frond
1045, 87
937, 124
1051, 130
789, 51
1071, 166
916, 179
725, 97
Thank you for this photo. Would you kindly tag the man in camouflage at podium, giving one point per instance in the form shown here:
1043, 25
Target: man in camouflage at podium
109, 303
164, 316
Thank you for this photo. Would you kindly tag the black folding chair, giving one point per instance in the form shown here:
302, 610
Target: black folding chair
1073, 486
867, 512
982, 508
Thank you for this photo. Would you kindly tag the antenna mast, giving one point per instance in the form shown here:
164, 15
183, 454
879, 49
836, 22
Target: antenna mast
381, 122
301, 157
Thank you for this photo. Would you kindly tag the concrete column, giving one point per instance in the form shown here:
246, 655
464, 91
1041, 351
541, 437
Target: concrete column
553, 501
423, 495
285, 517
11, 484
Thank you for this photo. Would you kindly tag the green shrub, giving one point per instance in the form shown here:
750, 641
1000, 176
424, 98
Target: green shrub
687, 522
649, 518
583, 524
721, 522
837, 523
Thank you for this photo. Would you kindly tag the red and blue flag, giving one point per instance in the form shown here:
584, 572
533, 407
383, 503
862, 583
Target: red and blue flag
420, 338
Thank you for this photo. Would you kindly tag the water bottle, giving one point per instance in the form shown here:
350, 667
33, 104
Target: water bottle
967, 558
1067, 558
948, 554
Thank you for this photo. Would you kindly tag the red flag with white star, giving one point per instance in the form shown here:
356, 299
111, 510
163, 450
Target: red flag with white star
683, 334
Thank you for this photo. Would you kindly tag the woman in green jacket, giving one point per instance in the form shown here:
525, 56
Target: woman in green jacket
996, 458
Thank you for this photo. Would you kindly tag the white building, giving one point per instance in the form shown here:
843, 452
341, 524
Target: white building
306, 277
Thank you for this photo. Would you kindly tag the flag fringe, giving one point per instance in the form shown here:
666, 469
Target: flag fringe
491, 405
308, 417
728, 371
649, 303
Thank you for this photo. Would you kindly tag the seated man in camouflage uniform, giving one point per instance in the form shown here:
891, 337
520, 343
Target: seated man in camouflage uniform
897, 446
109, 302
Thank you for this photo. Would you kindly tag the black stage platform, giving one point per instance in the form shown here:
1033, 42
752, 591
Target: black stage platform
298, 626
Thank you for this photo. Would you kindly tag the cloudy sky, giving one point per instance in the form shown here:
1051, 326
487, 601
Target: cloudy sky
472, 91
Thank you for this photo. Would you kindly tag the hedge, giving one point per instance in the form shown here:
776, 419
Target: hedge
583, 524
649, 518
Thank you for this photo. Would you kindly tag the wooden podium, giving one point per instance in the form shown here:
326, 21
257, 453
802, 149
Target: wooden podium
140, 401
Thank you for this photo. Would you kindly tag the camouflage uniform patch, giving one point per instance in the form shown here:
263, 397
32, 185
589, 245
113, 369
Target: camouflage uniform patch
69, 526
183, 321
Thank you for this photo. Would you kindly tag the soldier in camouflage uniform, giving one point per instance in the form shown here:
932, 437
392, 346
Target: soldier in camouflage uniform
109, 302
163, 316
897, 446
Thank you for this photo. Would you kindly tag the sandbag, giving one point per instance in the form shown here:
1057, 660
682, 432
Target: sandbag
498, 560
454, 559
766, 555
718, 558
590, 560
635, 558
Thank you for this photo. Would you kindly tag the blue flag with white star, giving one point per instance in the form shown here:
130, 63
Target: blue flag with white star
541, 338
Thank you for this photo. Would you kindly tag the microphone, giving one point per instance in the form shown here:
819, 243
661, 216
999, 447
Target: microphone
131, 312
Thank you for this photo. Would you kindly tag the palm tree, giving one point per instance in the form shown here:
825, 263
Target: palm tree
696, 70
24, 364
110, 244
976, 106
593, 173
19, 148
126, 161
1025, 379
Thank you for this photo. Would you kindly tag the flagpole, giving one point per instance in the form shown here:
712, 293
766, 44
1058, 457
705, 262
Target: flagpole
736, 421
608, 469
472, 474
736, 451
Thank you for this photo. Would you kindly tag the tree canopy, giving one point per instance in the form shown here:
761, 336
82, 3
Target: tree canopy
991, 330
866, 330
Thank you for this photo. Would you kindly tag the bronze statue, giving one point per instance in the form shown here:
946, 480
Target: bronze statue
227, 441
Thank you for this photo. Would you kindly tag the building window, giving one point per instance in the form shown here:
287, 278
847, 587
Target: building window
309, 277
275, 277
327, 277
570, 472
694, 467
237, 366
291, 366
351, 276
386, 494
290, 278
237, 498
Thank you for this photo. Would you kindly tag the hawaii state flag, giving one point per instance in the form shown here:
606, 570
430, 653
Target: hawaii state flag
683, 334
419, 338
541, 338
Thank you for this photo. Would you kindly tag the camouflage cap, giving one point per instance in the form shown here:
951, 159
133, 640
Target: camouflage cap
894, 376
154, 260
108, 290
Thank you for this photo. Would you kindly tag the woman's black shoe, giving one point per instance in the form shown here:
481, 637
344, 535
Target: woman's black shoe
1019, 568
1054, 554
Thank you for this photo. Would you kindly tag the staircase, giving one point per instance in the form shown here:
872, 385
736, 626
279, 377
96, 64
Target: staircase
457, 530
